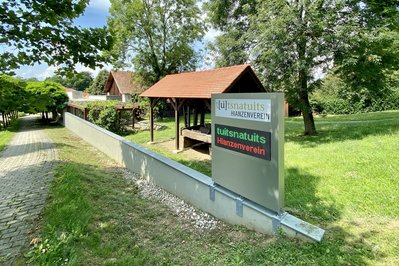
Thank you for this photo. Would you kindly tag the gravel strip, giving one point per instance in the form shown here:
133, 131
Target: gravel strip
198, 219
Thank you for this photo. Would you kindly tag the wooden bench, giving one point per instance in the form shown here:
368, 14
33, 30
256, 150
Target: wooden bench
195, 135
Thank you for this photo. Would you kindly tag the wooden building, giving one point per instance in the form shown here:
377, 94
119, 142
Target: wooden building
121, 83
191, 92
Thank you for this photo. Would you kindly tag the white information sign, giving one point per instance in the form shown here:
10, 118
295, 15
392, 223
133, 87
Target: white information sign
245, 109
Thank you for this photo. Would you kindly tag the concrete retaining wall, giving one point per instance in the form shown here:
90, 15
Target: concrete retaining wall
190, 185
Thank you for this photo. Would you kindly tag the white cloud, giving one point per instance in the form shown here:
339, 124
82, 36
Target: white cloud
100, 4
48, 72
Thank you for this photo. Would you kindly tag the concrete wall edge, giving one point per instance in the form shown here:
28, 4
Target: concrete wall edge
279, 220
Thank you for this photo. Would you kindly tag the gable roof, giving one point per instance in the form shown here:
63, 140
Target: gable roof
200, 84
124, 82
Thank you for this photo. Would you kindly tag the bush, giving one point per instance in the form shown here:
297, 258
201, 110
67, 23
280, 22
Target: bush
105, 115
335, 97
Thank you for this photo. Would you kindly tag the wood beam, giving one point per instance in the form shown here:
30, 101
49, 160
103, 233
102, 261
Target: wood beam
152, 104
177, 121
195, 117
208, 104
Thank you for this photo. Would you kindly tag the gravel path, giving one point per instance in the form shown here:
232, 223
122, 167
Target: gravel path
198, 219
26, 168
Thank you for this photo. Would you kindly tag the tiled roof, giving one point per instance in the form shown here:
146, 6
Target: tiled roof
68, 89
199, 84
124, 82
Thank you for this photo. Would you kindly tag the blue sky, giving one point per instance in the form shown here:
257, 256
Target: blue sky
94, 16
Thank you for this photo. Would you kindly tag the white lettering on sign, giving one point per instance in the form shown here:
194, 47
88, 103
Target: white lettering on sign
245, 109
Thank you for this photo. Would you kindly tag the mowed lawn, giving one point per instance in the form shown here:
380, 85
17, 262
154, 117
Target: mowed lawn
7, 134
344, 180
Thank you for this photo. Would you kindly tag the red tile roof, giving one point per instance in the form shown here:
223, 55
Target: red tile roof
68, 89
124, 81
199, 84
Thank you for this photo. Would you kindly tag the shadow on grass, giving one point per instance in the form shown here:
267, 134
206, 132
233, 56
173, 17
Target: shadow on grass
340, 131
22, 149
339, 244
301, 198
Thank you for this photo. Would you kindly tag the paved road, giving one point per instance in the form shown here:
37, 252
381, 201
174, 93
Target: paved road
26, 167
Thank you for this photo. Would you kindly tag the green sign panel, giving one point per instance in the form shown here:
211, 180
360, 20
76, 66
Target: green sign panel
247, 141
248, 146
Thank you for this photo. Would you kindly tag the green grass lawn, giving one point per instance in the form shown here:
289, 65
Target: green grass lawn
344, 180
6, 135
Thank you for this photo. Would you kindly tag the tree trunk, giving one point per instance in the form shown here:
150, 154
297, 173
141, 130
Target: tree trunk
7, 120
303, 93
4, 125
54, 115
308, 121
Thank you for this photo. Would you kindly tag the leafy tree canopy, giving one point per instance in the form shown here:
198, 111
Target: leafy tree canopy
46, 96
158, 35
232, 18
12, 94
77, 81
289, 41
369, 58
98, 84
41, 31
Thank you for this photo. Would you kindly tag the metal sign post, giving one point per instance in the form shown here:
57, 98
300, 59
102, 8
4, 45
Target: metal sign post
248, 146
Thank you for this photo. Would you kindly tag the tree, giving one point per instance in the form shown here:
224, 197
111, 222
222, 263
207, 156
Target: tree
77, 81
12, 97
231, 47
369, 61
46, 96
42, 31
294, 39
158, 34
98, 84
289, 41
286, 41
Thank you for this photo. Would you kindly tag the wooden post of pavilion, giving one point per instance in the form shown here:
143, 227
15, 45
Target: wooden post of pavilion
188, 116
195, 117
152, 119
133, 117
175, 103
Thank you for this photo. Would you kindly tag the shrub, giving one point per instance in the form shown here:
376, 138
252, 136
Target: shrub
105, 115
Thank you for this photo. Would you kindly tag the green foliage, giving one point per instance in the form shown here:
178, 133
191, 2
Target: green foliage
98, 84
288, 42
104, 114
12, 94
46, 96
77, 81
13, 98
43, 31
369, 63
284, 40
158, 36
335, 97
232, 18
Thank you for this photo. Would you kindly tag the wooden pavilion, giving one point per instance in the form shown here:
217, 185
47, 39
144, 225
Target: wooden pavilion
191, 92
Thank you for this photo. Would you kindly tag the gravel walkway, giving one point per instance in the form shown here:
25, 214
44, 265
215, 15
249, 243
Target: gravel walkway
26, 167
196, 218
